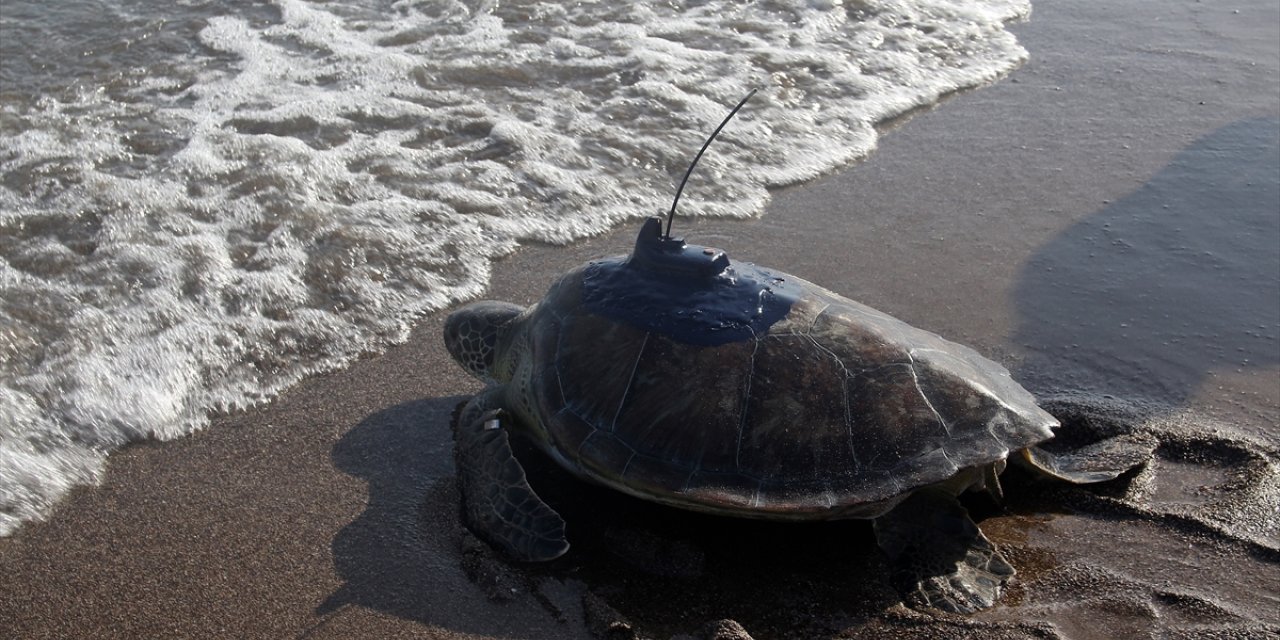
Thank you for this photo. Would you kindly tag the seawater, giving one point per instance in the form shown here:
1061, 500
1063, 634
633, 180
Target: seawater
202, 202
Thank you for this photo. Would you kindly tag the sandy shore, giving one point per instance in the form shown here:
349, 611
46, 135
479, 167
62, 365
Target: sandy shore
1104, 222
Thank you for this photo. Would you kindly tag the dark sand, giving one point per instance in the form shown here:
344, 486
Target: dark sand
1105, 222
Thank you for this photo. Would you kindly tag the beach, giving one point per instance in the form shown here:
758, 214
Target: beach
1104, 222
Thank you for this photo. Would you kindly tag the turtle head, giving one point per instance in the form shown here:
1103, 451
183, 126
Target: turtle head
473, 335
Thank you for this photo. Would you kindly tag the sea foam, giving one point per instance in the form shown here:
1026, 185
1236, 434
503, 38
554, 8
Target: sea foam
212, 226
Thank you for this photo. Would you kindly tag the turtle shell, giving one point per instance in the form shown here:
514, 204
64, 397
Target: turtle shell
833, 410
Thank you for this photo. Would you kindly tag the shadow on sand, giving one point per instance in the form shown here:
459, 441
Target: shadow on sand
404, 555
398, 556
1178, 279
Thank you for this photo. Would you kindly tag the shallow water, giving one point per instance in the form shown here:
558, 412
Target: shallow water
203, 202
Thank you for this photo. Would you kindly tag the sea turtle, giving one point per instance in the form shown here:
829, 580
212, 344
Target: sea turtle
679, 376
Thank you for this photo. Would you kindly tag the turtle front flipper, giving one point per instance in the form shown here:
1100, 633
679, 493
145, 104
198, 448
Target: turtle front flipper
498, 504
1097, 462
938, 556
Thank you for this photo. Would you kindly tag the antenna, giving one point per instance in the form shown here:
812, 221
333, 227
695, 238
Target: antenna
671, 216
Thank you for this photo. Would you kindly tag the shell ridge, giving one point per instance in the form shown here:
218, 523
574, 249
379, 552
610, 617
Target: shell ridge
947, 456
597, 432
872, 370
848, 422
1004, 413
746, 406
1004, 408
975, 384
635, 366
556, 365
915, 379
814, 322
684, 488
890, 325
577, 453
848, 429
693, 468
574, 413
627, 465
991, 429
828, 352
844, 388
576, 456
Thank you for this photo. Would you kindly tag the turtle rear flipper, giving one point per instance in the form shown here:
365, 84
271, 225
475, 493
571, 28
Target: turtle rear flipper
498, 504
1098, 462
938, 556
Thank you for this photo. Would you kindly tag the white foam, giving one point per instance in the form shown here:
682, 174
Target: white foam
218, 231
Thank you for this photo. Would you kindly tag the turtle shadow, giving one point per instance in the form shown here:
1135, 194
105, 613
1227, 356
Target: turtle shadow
673, 571
400, 555
1164, 287
407, 554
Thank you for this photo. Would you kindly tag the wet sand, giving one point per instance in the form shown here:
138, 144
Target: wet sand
1105, 222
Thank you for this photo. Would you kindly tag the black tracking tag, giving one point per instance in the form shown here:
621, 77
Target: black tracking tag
689, 293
